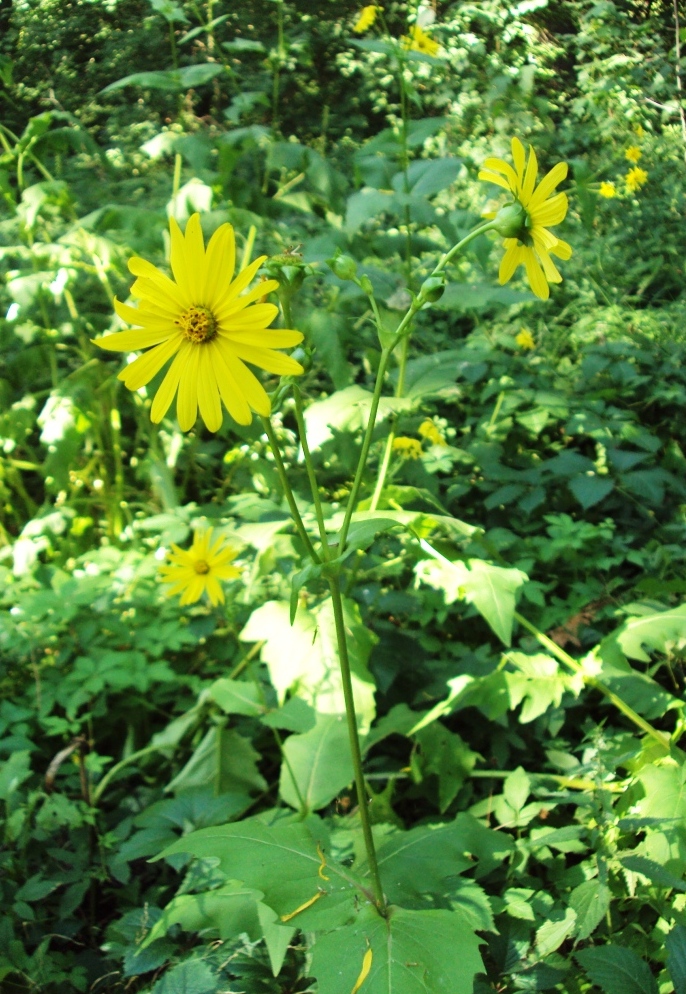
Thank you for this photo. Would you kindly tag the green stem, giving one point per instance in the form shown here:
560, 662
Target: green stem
388, 451
281, 470
297, 396
360, 786
592, 681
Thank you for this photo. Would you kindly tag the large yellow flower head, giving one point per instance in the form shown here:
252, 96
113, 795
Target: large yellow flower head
526, 219
419, 41
199, 570
203, 319
366, 18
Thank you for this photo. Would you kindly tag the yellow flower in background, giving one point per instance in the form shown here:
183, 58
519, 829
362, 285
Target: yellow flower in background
199, 570
419, 41
607, 190
639, 131
525, 221
408, 448
525, 340
636, 178
430, 432
633, 153
366, 18
211, 329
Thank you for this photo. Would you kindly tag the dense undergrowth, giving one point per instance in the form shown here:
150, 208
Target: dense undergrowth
520, 686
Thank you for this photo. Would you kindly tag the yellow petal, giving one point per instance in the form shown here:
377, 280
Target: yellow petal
195, 257
550, 212
513, 257
268, 338
547, 185
156, 298
187, 402
168, 387
193, 591
247, 383
214, 590
177, 259
139, 317
518, 157
537, 280
563, 250
232, 396
550, 270
529, 181
146, 270
272, 362
142, 369
263, 287
239, 284
500, 166
132, 341
220, 262
491, 177
256, 315
208, 393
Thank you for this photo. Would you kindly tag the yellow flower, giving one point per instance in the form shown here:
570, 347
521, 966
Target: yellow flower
636, 178
201, 319
525, 340
633, 154
408, 448
639, 131
607, 190
419, 41
199, 570
366, 18
428, 430
525, 221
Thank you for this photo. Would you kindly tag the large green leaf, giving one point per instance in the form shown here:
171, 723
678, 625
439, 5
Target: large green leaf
412, 952
230, 910
657, 632
664, 792
170, 80
346, 410
237, 697
304, 657
617, 970
320, 762
676, 958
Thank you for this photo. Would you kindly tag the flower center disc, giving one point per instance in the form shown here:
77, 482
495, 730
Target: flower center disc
198, 325
201, 566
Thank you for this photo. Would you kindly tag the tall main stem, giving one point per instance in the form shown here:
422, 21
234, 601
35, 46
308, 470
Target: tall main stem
360, 786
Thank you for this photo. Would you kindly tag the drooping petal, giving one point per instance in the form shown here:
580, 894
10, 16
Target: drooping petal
153, 293
548, 184
220, 262
268, 338
214, 590
551, 211
500, 166
187, 402
208, 392
247, 383
262, 289
142, 369
146, 270
139, 317
549, 268
239, 284
562, 249
255, 315
537, 280
232, 396
169, 385
513, 257
194, 591
491, 177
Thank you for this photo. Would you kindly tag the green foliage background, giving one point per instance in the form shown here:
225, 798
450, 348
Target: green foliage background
531, 832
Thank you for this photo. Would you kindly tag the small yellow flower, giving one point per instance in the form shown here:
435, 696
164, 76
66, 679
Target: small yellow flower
430, 432
211, 329
419, 41
366, 18
199, 570
528, 241
636, 178
633, 154
639, 131
607, 190
525, 340
408, 448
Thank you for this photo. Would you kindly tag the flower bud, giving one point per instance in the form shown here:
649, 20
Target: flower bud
343, 267
433, 289
366, 285
510, 221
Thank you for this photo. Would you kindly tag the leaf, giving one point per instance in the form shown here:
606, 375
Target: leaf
230, 910
653, 871
617, 970
365, 205
590, 900
13, 772
665, 792
189, 977
237, 697
223, 758
554, 931
517, 788
676, 958
295, 716
445, 755
590, 490
427, 177
413, 952
304, 657
538, 682
320, 762
283, 861
658, 632
346, 410
169, 80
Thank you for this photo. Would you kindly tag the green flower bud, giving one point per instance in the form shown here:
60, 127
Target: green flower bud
433, 289
343, 267
366, 285
510, 221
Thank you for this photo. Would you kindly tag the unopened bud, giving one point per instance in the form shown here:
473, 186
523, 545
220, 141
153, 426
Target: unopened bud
433, 288
366, 285
343, 267
510, 221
